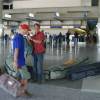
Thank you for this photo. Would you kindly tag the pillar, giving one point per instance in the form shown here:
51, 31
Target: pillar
1, 13
98, 24
1, 8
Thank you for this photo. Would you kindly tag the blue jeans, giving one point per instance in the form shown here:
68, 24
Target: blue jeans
38, 66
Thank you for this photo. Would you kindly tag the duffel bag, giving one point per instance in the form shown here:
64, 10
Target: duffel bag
10, 85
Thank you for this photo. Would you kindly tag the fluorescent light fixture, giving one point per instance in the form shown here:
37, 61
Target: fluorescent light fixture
31, 15
64, 26
7, 16
83, 26
70, 26
57, 14
45, 27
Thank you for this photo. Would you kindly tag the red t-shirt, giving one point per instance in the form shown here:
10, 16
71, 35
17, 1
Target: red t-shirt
39, 47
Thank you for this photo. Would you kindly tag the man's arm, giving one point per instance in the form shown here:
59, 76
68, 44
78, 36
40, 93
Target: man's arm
37, 41
40, 39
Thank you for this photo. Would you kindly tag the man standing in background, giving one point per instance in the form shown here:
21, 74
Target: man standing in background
38, 53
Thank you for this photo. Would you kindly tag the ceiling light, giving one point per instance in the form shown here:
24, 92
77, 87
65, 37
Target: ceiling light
31, 15
7, 16
57, 14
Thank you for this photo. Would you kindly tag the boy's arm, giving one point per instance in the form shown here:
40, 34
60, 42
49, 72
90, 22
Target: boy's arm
16, 52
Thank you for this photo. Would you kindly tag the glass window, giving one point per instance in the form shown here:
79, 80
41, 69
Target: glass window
11, 6
95, 2
5, 6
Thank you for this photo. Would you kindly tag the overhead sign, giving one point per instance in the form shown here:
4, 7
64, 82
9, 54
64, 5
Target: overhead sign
55, 26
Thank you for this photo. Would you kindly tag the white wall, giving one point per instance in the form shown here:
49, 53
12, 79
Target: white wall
45, 23
47, 28
86, 2
45, 3
56, 23
56, 31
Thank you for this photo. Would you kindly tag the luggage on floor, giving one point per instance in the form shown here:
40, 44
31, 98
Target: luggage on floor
70, 62
10, 85
76, 61
28, 48
29, 60
10, 69
55, 72
2, 70
59, 71
82, 71
9, 66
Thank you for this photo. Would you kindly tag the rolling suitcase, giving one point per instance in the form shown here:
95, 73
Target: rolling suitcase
10, 85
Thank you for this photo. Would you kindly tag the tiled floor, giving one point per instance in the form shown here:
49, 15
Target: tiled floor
62, 89
91, 84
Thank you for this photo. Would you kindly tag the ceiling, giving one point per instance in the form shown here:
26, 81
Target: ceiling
66, 13
70, 13
7, 1
10, 0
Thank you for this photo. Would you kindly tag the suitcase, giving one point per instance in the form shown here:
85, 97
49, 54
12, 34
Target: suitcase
10, 85
83, 71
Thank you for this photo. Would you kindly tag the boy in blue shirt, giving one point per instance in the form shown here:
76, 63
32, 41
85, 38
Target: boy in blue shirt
19, 59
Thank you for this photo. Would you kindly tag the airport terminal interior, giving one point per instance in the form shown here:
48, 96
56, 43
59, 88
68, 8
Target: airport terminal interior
71, 66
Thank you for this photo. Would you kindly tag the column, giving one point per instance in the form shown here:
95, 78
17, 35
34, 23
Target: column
98, 24
99, 12
1, 8
1, 26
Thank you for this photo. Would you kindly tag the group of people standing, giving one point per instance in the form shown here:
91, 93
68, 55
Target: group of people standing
38, 50
60, 38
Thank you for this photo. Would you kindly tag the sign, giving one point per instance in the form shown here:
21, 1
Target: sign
55, 26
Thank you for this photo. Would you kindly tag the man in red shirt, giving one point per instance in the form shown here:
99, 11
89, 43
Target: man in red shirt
38, 53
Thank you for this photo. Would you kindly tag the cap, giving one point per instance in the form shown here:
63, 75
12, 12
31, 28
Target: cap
25, 26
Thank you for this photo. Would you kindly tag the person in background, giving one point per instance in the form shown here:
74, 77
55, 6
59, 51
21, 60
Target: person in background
50, 39
38, 53
67, 37
6, 38
75, 39
60, 39
19, 60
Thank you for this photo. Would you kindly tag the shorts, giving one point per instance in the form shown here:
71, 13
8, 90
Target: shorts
23, 73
